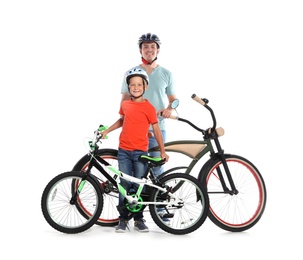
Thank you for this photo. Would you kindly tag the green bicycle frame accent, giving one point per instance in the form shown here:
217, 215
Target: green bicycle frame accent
81, 185
121, 188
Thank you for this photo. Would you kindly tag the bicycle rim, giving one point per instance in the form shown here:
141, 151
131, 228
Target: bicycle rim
64, 216
237, 212
184, 218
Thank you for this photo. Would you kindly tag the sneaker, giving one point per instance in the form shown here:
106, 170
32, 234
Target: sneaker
122, 226
140, 226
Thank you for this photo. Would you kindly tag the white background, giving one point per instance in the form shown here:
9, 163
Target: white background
61, 68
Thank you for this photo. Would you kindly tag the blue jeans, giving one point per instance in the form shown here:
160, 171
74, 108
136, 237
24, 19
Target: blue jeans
130, 165
152, 143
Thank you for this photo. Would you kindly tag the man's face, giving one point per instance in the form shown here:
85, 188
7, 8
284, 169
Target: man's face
149, 51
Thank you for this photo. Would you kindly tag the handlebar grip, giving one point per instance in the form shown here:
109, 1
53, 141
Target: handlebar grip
171, 116
199, 100
102, 128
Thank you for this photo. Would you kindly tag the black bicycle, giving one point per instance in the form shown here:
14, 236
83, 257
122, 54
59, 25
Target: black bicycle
73, 201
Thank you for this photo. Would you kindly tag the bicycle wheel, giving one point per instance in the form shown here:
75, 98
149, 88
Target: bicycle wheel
110, 214
190, 210
235, 212
61, 213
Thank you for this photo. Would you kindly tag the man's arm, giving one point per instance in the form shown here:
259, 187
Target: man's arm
166, 113
171, 98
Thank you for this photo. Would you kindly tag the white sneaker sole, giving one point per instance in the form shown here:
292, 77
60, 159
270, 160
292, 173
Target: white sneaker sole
142, 231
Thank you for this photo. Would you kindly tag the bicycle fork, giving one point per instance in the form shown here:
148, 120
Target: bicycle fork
233, 190
80, 187
77, 192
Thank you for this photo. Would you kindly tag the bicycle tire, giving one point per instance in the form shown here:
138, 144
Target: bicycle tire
239, 212
110, 214
64, 216
184, 218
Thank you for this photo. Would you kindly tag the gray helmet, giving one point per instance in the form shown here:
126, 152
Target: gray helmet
149, 38
136, 72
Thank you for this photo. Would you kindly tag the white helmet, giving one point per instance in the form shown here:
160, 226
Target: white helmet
136, 72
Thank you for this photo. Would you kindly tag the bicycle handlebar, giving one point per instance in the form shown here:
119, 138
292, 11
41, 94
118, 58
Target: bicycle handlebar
97, 137
199, 100
204, 103
102, 128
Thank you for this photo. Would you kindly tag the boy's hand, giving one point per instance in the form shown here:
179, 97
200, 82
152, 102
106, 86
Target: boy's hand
104, 134
166, 156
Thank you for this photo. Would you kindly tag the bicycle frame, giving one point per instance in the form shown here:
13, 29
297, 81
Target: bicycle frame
115, 175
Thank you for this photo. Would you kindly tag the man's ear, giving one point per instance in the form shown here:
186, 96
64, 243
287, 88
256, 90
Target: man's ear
158, 50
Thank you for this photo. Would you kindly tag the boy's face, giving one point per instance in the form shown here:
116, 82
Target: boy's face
149, 51
136, 86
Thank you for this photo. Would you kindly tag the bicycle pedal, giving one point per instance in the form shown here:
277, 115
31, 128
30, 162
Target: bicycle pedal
166, 215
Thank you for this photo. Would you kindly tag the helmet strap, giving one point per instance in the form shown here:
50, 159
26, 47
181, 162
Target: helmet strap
146, 62
134, 96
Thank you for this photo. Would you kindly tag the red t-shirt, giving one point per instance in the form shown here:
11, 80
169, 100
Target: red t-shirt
138, 116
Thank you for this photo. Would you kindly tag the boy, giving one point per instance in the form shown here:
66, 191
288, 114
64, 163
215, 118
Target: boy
137, 114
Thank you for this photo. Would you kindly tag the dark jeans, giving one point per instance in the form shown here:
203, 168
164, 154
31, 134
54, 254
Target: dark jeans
129, 164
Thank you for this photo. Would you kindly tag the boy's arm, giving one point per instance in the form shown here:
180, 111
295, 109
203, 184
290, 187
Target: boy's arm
113, 127
159, 139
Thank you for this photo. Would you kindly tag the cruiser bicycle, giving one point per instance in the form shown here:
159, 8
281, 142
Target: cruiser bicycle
236, 189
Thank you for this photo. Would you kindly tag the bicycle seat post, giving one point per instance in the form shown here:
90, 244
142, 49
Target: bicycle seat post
150, 171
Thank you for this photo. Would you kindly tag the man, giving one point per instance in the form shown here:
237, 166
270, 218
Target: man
160, 92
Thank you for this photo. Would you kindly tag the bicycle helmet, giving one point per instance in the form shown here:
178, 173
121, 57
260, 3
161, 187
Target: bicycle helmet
136, 72
149, 38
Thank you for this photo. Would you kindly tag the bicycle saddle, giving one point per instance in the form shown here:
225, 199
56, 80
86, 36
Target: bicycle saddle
154, 161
